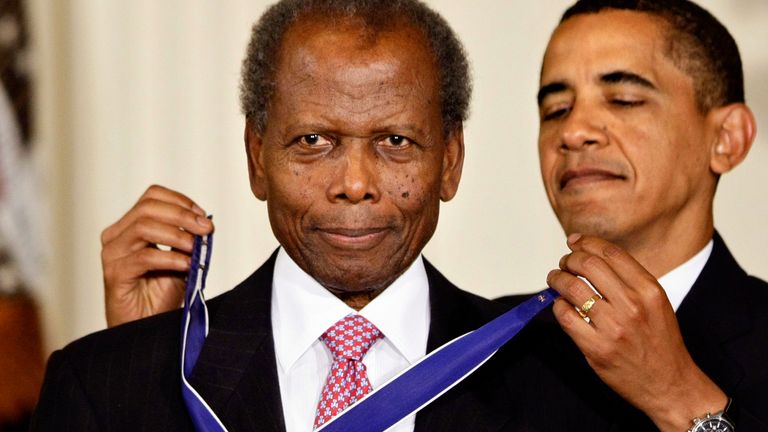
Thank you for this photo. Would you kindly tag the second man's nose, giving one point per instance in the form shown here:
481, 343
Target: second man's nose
580, 128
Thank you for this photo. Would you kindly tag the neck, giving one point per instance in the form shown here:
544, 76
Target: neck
357, 300
662, 250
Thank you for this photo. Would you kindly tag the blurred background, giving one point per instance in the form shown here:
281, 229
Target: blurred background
104, 97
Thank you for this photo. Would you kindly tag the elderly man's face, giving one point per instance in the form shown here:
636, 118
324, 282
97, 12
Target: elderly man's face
624, 151
353, 161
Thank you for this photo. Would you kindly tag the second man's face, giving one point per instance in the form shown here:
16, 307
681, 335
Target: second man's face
353, 161
623, 147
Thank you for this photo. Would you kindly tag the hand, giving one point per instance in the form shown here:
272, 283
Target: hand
632, 341
140, 278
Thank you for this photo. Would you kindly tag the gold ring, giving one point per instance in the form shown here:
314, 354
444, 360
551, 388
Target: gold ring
587, 306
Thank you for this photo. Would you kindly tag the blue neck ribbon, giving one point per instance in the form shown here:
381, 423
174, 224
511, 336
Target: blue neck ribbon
400, 397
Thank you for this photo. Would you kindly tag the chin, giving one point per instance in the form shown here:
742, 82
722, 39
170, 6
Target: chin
352, 283
353, 276
598, 225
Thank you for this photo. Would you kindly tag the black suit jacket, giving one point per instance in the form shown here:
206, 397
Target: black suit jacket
128, 377
724, 323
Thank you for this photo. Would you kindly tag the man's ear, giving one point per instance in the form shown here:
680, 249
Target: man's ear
253, 146
453, 163
735, 130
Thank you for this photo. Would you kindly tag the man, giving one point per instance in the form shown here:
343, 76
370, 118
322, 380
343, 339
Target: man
603, 93
353, 134
642, 109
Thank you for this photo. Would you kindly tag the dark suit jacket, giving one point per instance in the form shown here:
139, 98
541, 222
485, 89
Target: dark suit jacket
128, 377
724, 322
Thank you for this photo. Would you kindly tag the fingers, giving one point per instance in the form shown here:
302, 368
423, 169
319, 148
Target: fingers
606, 267
615, 274
160, 217
609, 284
164, 205
621, 263
576, 292
144, 232
574, 326
570, 287
144, 261
630, 293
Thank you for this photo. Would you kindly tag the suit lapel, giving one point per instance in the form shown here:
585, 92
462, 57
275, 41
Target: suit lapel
712, 315
475, 404
236, 372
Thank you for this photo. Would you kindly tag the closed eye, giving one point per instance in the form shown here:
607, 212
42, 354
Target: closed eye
555, 114
627, 102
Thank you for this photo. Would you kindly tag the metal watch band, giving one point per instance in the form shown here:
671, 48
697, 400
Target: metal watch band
717, 422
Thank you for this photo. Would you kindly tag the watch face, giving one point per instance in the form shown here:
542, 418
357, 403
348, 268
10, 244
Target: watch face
715, 425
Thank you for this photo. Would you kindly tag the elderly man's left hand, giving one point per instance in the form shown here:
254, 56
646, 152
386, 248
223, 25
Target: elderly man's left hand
631, 339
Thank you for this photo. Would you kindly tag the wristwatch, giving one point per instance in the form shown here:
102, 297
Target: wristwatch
717, 422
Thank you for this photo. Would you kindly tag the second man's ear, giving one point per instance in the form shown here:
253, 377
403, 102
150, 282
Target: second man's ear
253, 150
736, 128
453, 164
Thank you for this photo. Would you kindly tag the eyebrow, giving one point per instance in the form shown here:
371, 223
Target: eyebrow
610, 78
624, 77
551, 88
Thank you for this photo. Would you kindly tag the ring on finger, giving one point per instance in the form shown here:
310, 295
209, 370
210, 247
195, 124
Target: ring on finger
587, 305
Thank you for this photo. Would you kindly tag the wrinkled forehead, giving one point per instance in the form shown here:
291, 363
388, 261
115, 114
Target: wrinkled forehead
355, 33
341, 77
351, 54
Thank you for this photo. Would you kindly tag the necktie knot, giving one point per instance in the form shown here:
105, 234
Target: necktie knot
349, 340
351, 337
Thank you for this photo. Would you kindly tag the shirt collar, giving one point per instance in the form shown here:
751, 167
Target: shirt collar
401, 312
302, 310
679, 281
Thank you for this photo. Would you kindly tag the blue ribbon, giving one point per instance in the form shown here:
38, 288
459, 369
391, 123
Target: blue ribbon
194, 329
403, 395
436, 373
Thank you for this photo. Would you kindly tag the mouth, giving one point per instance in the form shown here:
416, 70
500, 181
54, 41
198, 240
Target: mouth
353, 238
586, 176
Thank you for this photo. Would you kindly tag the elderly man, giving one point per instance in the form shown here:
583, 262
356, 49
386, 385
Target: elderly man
642, 110
353, 136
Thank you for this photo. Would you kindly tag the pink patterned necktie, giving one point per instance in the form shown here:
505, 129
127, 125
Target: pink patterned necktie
349, 340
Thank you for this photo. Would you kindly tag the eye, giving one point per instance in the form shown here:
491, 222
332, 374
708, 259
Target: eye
554, 114
627, 103
313, 140
396, 141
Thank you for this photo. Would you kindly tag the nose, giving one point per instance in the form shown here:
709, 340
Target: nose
355, 180
581, 128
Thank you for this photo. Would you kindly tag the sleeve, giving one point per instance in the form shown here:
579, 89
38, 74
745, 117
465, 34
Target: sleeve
745, 419
63, 405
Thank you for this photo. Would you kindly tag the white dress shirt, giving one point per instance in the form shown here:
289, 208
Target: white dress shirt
302, 310
679, 281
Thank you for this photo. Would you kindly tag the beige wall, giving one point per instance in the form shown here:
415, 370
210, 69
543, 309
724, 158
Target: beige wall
145, 91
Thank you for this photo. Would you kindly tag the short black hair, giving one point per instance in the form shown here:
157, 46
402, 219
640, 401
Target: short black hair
697, 42
259, 65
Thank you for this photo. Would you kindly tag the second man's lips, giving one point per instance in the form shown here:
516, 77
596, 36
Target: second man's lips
587, 175
354, 238
352, 232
